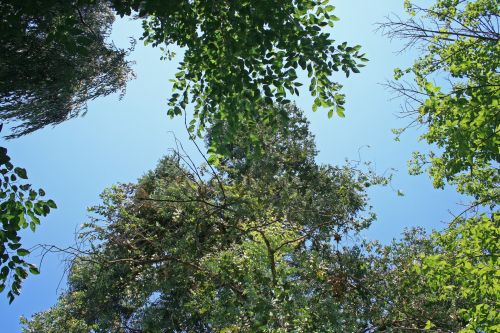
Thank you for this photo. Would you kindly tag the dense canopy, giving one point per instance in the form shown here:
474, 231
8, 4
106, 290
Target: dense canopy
261, 237
55, 56
259, 245
190, 250
455, 94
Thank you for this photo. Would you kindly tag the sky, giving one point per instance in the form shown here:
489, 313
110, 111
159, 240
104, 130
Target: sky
119, 140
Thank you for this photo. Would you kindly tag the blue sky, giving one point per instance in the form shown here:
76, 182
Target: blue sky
119, 140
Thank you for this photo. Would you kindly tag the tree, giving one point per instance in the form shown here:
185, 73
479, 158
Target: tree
455, 91
21, 207
466, 266
455, 94
254, 245
59, 319
263, 244
238, 56
55, 57
402, 299
445, 282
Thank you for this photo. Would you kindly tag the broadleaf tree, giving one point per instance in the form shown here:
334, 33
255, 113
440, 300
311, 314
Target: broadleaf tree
255, 245
240, 55
264, 244
55, 58
21, 206
454, 91
237, 57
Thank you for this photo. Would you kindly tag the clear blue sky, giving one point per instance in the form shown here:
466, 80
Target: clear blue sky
118, 141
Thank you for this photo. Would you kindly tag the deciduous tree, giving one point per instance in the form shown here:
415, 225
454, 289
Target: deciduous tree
21, 206
455, 93
55, 56
254, 246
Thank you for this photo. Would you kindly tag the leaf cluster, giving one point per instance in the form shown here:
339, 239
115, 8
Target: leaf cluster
455, 91
250, 246
241, 56
455, 94
21, 207
55, 57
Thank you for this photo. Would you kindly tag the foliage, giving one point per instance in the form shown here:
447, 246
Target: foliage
60, 319
403, 299
55, 58
448, 282
467, 265
252, 246
456, 96
362, 288
456, 92
242, 55
20, 207
258, 239
239, 56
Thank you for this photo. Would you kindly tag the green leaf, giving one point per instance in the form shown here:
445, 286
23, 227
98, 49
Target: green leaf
340, 111
329, 8
51, 204
34, 270
14, 246
23, 252
21, 172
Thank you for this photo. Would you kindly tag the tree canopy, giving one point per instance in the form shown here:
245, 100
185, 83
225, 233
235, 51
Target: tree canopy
454, 92
21, 206
251, 247
257, 245
237, 56
240, 55
261, 238
55, 57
